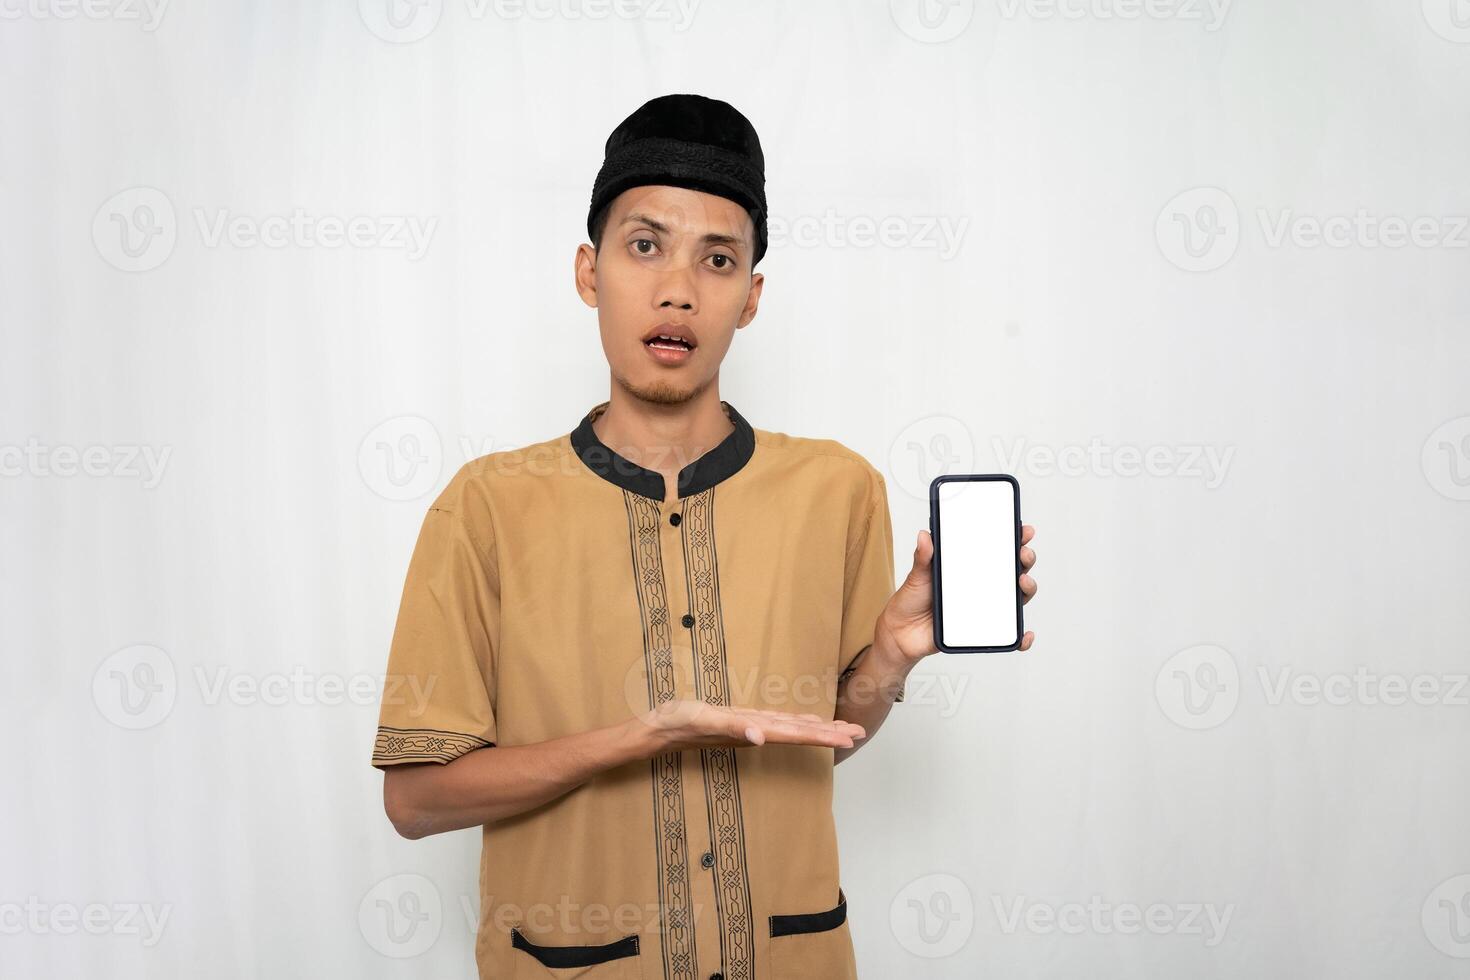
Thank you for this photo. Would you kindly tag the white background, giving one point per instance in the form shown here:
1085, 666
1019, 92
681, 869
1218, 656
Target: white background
1129, 276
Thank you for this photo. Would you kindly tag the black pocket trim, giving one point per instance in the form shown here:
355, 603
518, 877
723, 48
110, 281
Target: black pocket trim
786, 925
555, 956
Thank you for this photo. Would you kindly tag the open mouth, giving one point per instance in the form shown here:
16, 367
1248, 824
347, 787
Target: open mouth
668, 343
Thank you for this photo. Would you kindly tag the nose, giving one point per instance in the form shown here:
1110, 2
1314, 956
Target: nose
676, 290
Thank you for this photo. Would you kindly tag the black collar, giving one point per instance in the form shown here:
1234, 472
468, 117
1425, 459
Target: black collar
720, 463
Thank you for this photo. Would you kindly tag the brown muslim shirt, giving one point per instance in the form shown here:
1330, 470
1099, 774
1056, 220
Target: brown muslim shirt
554, 590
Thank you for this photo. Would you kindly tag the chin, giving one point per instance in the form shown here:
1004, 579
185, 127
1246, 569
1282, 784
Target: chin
661, 392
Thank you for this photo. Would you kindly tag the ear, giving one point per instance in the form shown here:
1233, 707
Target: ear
585, 274
752, 299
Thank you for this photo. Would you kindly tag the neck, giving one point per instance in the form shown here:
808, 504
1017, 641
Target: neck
663, 437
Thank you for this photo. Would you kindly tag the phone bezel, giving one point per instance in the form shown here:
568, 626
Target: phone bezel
936, 573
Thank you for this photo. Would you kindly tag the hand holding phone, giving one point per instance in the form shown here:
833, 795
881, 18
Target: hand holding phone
975, 521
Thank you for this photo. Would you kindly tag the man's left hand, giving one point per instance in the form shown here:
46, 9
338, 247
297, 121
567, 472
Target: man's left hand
907, 623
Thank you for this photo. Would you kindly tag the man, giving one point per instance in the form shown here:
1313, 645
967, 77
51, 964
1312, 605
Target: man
644, 662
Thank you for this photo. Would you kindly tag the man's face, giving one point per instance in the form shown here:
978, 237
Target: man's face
672, 261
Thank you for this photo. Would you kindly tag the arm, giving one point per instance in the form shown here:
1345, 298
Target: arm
866, 695
493, 783
501, 781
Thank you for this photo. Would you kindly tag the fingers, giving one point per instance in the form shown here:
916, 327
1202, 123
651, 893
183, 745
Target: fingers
706, 723
804, 729
1028, 588
1028, 559
767, 714
690, 723
1026, 582
832, 734
804, 724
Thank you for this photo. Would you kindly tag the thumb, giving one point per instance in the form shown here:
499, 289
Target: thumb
920, 576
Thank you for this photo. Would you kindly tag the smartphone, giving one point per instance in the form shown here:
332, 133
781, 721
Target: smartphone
975, 521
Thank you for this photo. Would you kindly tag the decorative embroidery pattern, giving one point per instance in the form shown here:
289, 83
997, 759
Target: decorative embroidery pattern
423, 745
721, 780
670, 839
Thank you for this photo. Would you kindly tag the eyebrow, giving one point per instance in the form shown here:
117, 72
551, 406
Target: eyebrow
711, 239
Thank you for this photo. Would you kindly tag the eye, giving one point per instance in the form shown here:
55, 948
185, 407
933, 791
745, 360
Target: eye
638, 244
722, 261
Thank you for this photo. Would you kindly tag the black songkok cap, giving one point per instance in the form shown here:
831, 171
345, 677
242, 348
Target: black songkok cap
686, 141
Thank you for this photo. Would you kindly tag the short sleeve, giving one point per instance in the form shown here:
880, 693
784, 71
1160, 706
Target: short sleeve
438, 695
868, 581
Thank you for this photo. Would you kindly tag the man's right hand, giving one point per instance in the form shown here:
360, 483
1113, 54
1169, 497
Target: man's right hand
686, 724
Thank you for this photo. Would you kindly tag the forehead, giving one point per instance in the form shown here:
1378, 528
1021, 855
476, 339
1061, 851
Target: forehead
683, 210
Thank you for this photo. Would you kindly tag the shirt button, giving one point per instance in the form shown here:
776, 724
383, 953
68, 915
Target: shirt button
708, 860
688, 620
674, 519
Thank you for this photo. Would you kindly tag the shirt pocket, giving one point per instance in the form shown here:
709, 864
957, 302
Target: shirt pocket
620, 959
812, 944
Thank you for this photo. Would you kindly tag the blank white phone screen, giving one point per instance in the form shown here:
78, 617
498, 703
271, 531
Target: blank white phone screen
977, 563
